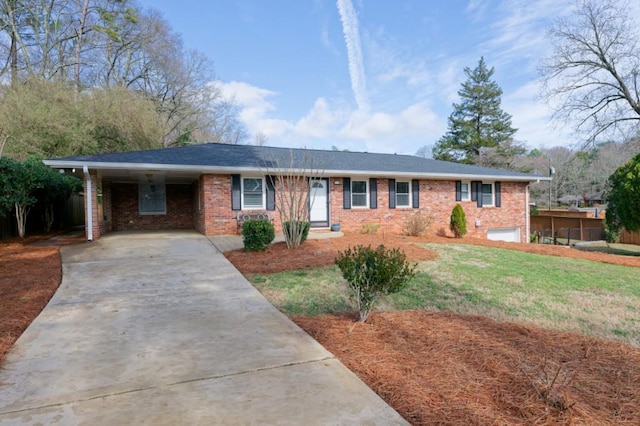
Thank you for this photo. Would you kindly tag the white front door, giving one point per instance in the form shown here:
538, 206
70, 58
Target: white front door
319, 202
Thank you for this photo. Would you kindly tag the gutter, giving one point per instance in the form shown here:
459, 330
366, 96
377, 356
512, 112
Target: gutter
87, 177
257, 170
527, 216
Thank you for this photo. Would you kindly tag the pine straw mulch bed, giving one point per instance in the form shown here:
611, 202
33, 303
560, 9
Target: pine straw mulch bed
445, 368
434, 368
30, 273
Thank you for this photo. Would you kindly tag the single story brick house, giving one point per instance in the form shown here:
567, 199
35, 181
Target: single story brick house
210, 187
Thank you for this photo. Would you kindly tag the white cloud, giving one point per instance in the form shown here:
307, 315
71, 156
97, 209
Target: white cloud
412, 92
532, 117
477, 9
319, 122
517, 30
351, 32
330, 123
255, 108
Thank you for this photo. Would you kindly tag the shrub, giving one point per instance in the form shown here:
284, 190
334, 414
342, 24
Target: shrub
371, 274
257, 234
533, 210
293, 229
417, 223
612, 232
458, 223
369, 228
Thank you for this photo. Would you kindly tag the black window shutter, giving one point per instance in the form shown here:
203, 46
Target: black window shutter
497, 186
271, 193
346, 193
235, 193
478, 193
392, 193
415, 192
373, 193
474, 190
458, 190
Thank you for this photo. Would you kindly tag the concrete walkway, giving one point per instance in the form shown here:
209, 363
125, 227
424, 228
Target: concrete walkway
160, 329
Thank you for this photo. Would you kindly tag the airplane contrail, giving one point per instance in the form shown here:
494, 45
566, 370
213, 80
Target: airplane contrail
354, 53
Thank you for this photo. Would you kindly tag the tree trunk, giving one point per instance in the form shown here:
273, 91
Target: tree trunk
13, 58
22, 210
48, 216
79, 33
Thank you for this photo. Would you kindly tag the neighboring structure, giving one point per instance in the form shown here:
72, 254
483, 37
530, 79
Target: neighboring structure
208, 187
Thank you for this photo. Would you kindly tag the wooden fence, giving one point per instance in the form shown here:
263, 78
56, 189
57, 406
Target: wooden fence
567, 229
576, 225
630, 237
69, 214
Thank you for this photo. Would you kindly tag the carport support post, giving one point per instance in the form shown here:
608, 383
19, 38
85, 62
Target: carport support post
89, 200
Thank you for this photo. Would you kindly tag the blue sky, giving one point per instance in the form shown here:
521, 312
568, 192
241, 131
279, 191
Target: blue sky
369, 75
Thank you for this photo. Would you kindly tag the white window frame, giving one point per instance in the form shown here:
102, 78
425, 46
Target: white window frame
366, 193
468, 197
242, 193
409, 195
145, 191
493, 194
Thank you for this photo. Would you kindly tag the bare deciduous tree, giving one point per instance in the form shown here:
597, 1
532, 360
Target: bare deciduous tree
116, 44
592, 78
292, 176
425, 151
260, 139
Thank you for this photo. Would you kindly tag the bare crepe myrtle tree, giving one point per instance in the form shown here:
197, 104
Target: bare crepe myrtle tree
291, 175
592, 78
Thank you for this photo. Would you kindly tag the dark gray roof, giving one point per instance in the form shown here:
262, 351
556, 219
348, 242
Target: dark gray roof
215, 155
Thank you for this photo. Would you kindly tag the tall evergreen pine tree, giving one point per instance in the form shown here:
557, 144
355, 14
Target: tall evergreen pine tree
477, 121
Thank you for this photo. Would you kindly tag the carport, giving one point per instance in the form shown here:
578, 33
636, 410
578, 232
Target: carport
131, 199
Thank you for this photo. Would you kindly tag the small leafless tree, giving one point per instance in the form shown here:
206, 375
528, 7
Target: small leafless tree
260, 139
593, 75
292, 174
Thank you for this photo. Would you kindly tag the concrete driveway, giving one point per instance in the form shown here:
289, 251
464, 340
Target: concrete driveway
159, 328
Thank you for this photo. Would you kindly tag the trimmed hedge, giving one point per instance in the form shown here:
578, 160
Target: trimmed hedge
257, 235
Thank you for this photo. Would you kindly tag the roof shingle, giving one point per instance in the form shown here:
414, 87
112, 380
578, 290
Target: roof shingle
212, 155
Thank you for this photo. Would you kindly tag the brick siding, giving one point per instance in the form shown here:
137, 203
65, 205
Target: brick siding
437, 199
126, 216
205, 205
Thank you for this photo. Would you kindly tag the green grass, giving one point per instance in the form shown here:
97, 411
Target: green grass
611, 248
553, 292
311, 292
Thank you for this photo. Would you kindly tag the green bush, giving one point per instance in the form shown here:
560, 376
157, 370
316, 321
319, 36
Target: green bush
257, 234
371, 274
292, 229
458, 223
612, 232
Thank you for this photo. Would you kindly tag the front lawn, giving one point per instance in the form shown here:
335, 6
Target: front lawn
552, 292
